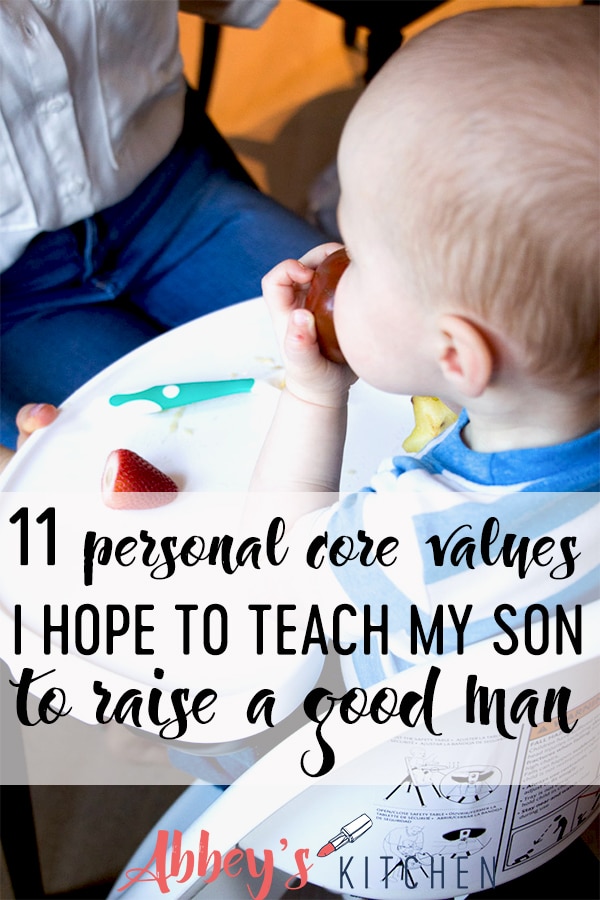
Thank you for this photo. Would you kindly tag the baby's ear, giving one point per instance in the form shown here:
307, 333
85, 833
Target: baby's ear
466, 357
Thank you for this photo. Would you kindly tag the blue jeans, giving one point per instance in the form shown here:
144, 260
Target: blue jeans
195, 236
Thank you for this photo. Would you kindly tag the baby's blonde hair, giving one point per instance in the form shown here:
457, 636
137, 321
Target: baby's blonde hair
502, 214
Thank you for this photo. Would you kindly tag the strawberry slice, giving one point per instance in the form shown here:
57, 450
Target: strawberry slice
131, 482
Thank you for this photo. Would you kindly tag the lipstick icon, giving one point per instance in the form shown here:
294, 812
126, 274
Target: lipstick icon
348, 834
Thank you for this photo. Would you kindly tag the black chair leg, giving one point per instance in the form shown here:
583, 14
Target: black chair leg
381, 44
350, 34
210, 48
17, 824
19, 842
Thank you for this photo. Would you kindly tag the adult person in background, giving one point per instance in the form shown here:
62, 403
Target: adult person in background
123, 212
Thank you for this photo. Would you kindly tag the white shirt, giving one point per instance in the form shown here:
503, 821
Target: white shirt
91, 100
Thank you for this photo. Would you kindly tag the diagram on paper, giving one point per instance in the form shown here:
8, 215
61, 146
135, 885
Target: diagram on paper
545, 832
426, 779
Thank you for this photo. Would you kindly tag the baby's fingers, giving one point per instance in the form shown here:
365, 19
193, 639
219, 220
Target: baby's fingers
280, 284
300, 345
284, 285
317, 255
308, 375
34, 416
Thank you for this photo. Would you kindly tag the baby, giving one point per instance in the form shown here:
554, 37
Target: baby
470, 211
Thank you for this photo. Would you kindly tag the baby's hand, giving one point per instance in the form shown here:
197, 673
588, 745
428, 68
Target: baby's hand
309, 376
32, 417
29, 419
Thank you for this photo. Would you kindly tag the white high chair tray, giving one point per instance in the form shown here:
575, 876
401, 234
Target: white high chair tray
214, 443
209, 446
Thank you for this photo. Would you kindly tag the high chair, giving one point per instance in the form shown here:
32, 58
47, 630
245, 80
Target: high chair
404, 812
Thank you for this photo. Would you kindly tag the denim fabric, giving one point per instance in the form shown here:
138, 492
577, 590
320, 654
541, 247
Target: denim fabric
195, 236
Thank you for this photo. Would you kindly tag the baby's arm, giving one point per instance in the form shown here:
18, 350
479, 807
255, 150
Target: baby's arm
303, 449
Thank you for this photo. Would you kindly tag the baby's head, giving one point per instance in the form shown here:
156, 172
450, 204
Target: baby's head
472, 161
